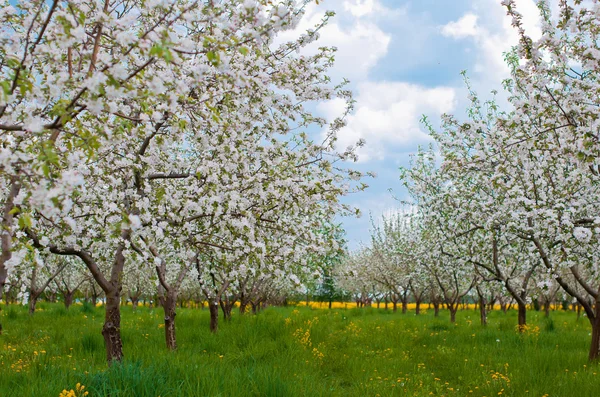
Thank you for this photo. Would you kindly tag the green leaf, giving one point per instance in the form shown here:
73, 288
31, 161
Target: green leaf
25, 221
213, 58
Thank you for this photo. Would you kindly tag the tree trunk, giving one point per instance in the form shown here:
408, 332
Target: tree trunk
112, 327
522, 316
226, 307
482, 310
547, 309
491, 303
482, 307
134, 303
214, 315
33, 297
161, 295
436, 309
418, 307
404, 306
243, 307
394, 306
68, 297
169, 307
595, 345
453, 309
330, 304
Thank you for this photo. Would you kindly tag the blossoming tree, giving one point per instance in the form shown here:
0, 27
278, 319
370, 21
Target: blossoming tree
126, 122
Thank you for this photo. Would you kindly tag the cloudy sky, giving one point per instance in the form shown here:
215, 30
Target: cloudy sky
404, 58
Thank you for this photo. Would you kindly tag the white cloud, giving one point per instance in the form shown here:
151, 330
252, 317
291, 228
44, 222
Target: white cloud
359, 40
388, 115
464, 27
360, 47
359, 8
488, 26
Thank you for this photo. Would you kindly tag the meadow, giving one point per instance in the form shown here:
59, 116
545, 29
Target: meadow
298, 351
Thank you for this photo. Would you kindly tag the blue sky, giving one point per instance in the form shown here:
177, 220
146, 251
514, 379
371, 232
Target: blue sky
404, 58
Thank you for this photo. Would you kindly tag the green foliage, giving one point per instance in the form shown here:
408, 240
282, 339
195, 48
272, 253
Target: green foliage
298, 352
60, 311
87, 307
11, 313
549, 325
91, 343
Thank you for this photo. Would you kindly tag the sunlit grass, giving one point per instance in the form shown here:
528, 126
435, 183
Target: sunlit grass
296, 352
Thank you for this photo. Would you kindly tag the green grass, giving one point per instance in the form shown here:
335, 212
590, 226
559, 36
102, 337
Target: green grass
298, 352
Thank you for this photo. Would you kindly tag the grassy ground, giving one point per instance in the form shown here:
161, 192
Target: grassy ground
298, 352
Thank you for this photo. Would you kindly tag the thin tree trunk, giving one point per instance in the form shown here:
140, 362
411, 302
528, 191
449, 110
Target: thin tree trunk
68, 297
482, 307
170, 307
112, 327
491, 303
436, 309
394, 306
453, 309
522, 316
33, 298
595, 345
482, 310
214, 315
226, 307
418, 307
